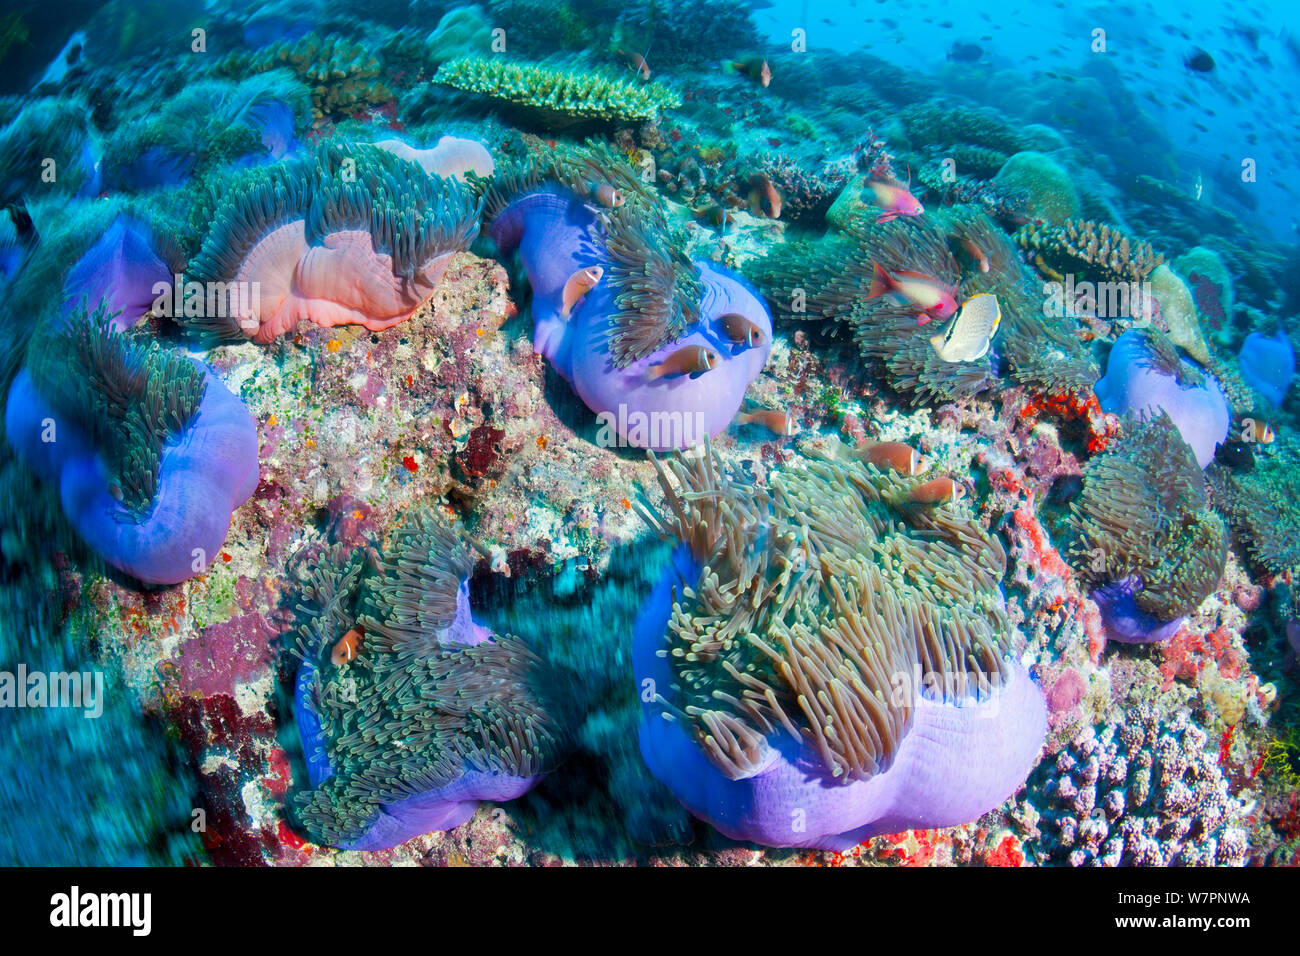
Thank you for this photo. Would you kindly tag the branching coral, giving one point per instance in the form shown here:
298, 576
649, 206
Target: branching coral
558, 97
1085, 249
150, 453
812, 634
431, 716
1145, 538
351, 234
343, 75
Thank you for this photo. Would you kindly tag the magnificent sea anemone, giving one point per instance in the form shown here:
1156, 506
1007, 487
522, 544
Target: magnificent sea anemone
662, 349
421, 713
351, 234
828, 660
150, 452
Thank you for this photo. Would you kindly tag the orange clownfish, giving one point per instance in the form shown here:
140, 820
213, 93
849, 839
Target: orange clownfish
347, 648
937, 491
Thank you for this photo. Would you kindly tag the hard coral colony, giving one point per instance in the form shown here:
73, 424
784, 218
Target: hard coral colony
668, 437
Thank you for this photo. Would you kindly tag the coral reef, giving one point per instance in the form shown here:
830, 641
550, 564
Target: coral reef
1087, 250
558, 97
1145, 538
1141, 792
1049, 192
343, 75
826, 660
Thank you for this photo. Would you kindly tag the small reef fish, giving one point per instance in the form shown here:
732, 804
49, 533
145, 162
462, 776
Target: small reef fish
777, 422
688, 360
894, 198
577, 286
719, 217
968, 337
1257, 431
345, 651
937, 299
895, 455
976, 254
1199, 60
606, 195
764, 200
937, 491
741, 330
755, 68
637, 62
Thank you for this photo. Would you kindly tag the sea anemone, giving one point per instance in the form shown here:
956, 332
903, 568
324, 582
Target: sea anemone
648, 305
434, 713
150, 452
1146, 375
828, 660
351, 234
1145, 539
1268, 364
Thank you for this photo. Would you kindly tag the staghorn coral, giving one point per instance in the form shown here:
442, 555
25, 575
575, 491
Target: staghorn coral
432, 715
558, 97
650, 302
351, 234
1144, 537
343, 75
827, 660
1087, 250
150, 453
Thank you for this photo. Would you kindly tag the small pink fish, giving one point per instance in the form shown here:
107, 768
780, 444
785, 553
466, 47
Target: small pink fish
894, 198
688, 360
637, 62
741, 330
606, 195
577, 286
777, 422
937, 299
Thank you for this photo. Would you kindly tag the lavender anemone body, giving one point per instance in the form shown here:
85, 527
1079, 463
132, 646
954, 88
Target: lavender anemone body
1268, 364
1124, 621
956, 763
1135, 383
557, 234
123, 270
202, 478
441, 808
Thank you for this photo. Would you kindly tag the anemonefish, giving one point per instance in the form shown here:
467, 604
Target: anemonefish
689, 360
937, 491
347, 648
777, 422
577, 286
741, 330
896, 455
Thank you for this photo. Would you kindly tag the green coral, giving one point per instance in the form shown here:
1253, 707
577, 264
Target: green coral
1047, 187
343, 75
558, 97
1143, 513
